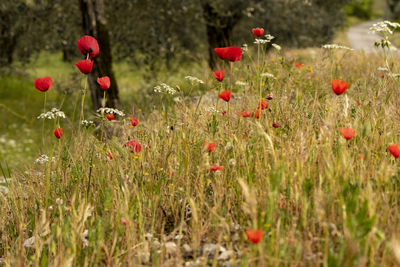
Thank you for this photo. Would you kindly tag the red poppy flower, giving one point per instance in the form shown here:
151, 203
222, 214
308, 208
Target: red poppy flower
270, 97
104, 83
220, 52
225, 95
347, 133
110, 116
223, 112
255, 236
275, 125
394, 149
298, 65
339, 87
134, 122
109, 155
263, 104
233, 53
43, 84
135, 146
246, 114
215, 167
58, 133
85, 66
258, 32
257, 113
88, 44
219, 75
210, 146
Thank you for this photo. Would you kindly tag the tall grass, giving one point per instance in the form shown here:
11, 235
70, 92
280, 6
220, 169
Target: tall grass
321, 200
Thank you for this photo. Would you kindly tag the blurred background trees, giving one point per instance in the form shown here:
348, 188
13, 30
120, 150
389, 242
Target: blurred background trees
160, 35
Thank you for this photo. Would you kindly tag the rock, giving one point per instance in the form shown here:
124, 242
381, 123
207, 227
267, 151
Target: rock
209, 250
226, 255
171, 248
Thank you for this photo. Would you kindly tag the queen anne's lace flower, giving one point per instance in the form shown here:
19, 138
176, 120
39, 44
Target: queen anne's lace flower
52, 114
164, 89
110, 110
194, 79
335, 46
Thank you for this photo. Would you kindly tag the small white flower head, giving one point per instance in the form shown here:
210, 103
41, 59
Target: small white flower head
42, 159
269, 37
268, 75
30, 242
87, 123
383, 69
245, 47
384, 27
212, 109
335, 46
164, 88
110, 110
232, 162
85, 238
52, 114
240, 83
228, 146
177, 99
194, 80
261, 41
59, 201
277, 47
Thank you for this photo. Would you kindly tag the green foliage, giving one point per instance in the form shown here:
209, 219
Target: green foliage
362, 9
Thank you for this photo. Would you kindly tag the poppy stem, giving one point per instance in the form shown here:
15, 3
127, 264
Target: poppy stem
104, 99
44, 110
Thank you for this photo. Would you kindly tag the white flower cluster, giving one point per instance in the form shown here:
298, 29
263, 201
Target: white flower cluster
385, 27
383, 69
52, 114
87, 123
43, 159
194, 79
261, 41
164, 88
268, 75
277, 47
335, 46
240, 83
245, 47
110, 110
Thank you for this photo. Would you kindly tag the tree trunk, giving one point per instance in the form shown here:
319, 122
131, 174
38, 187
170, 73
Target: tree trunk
95, 24
219, 29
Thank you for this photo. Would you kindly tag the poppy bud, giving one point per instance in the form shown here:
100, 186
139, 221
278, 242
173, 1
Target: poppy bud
58, 133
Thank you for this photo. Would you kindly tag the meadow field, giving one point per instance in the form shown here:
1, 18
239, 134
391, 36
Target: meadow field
298, 167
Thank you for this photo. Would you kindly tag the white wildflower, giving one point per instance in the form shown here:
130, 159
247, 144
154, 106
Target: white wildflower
277, 47
228, 146
111, 110
240, 83
268, 75
52, 114
212, 109
269, 37
194, 79
30, 242
177, 99
43, 159
335, 46
245, 47
383, 69
261, 41
232, 162
394, 75
4, 189
85, 238
164, 89
385, 27
87, 123
59, 201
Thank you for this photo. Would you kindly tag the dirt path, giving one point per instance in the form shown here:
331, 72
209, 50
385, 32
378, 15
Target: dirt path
361, 39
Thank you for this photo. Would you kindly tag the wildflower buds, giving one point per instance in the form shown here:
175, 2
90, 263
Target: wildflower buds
43, 84
58, 133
